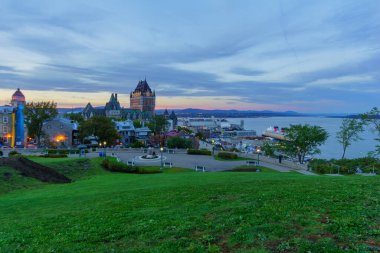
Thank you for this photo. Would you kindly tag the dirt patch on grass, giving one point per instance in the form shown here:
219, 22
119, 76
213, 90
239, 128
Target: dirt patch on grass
32, 169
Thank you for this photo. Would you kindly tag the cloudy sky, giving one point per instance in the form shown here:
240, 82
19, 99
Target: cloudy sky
308, 56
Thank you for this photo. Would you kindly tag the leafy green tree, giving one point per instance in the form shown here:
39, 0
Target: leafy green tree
178, 142
102, 127
137, 123
75, 116
349, 132
36, 113
184, 129
373, 118
137, 144
200, 136
158, 124
268, 149
302, 140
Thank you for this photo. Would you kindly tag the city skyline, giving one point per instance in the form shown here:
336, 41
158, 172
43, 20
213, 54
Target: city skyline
247, 55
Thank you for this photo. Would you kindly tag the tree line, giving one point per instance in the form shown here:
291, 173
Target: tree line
36, 113
304, 140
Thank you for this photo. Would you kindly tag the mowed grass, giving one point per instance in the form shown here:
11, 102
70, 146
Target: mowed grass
11, 179
195, 212
73, 168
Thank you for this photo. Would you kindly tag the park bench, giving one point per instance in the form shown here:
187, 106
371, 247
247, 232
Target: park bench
170, 151
168, 164
131, 163
251, 162
200, 168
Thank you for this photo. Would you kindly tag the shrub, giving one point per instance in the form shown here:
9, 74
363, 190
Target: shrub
227, 156
1, 153
198, 152
13, 153
137, 144
52, 151
346, 166
178, 142
115, 166
54, 156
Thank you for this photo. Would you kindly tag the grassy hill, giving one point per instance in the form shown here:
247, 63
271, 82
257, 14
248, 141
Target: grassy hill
192, 212
11, 179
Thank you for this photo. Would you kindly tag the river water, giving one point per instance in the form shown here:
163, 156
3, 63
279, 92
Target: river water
331, 149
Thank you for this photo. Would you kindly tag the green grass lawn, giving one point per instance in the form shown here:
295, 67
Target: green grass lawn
11, 179
73, 168
193, 212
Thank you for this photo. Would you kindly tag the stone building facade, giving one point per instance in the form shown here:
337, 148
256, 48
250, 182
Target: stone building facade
62, 131
143, 98
142, 105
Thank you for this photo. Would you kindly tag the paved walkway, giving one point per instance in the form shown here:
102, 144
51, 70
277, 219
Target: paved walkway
183, 160
189, 161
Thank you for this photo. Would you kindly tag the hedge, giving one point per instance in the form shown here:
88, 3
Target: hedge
227, 156
346, 166
198, 152
13, 153
54, 156
115, 166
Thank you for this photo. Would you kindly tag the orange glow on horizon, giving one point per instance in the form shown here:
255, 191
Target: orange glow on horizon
68, 99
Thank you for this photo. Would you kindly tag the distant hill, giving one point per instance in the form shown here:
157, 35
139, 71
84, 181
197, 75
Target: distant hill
69, 110
193, 112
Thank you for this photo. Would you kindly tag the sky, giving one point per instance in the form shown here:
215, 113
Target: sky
305, 56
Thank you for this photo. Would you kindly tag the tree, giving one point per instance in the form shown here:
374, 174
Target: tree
184, 129
373, 118
158, 124
178, 142
302, 140
137, 123
268, 149
74, 116
36, 113
349, 133
102, 127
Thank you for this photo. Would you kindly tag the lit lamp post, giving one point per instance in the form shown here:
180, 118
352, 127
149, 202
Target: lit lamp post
162, 162
213, 147
105, 153
258, 150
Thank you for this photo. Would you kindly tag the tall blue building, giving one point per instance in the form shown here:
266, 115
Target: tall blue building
18, 128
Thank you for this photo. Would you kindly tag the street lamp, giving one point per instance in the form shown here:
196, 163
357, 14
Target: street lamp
213, 147
162, 162
258, 150
105, 153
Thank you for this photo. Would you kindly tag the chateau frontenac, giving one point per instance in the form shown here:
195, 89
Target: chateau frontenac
142, 105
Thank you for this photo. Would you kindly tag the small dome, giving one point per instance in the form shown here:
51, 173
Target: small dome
18, 96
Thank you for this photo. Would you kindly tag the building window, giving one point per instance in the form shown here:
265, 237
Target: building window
61, 126
5, 129
5, 119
